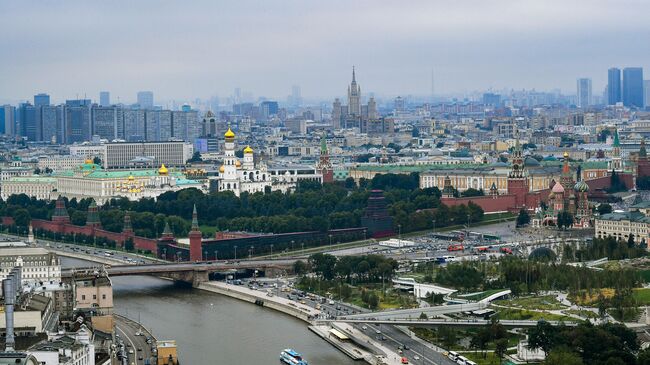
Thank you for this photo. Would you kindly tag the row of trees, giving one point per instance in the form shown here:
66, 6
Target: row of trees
524, 276
608, 247
312, 207
607, 344
365, 268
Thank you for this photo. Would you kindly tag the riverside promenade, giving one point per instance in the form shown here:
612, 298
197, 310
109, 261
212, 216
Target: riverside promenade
359, 346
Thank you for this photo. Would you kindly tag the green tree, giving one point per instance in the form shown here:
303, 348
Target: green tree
300, 267
542, 336
604, 208
523, 218
563, 357
22, 217
500, 347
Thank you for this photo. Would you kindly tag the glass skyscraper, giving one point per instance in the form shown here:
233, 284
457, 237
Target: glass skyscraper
613, 86
633, 87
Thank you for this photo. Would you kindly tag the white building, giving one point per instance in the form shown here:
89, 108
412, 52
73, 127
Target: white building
66, 349
37, 264
123, 154
59, 163
244, 177
91, 181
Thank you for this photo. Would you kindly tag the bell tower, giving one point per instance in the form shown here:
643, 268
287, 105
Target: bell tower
518, 184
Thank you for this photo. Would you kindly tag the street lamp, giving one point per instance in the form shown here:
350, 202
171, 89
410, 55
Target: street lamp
215, 255
399, 233
330, 236
302, 244
291, 245
235, 252
271, 249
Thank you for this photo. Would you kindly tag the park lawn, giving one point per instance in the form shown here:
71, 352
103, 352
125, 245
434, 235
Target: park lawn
641, 296
547, 302
522, 314
582, 313
477, 357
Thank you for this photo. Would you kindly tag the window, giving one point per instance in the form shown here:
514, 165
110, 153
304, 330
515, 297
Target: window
83, 297
94, 296
103, 296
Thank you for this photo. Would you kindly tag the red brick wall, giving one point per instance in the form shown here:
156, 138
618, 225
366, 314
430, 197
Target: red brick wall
489, 204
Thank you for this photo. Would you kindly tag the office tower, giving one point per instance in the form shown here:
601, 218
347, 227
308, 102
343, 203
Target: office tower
8, 120
77, 122
51, 123
108, 122
646, 92
186, 108
400, 104
41, 99
633, 87
372, 109
134, 125
295, 99
104, 98
186, 125
492, 99
158, 125
145, 99
614, 86
583, 93
268, 108
354, 96
27, 121
337, 113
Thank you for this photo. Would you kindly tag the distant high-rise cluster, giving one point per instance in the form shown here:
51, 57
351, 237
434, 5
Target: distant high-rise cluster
78, 120
629, 89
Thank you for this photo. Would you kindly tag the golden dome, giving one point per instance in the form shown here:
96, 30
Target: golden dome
229, 133
131, 178
222, 169
238, 164
89, 161
248, 149
162, 170
566, 154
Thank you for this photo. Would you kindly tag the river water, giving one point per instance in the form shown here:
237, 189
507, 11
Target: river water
211, 329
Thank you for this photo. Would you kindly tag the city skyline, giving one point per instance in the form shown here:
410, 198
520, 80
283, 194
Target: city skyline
220, 47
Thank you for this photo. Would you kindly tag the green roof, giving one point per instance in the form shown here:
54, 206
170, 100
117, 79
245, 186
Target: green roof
469, 166
103, 174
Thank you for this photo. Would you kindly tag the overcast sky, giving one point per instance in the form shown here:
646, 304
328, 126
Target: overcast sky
187, 49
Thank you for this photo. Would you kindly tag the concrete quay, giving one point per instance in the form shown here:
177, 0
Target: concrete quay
360, 346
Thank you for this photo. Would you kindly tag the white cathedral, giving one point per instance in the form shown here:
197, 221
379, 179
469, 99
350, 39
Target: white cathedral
237, 177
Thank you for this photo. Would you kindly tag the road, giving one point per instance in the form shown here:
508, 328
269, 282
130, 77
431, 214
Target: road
391, 336
134, 340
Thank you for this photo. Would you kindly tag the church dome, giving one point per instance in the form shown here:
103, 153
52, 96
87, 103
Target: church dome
222, 169
131, 178
581, 187
248, 149
558, 188
88, 161
238, 164
566, 155
229, 133
163, 170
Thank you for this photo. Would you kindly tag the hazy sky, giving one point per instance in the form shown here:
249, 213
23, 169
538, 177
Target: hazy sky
187, 49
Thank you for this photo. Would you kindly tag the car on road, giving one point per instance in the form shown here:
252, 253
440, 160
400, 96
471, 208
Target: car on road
364, 327
416, 357
404, 360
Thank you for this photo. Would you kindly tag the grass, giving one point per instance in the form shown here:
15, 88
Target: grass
547, 302
490, 358
641, 296
582, 313
522, 314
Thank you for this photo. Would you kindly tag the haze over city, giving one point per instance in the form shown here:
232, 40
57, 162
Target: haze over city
184, 50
